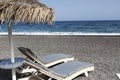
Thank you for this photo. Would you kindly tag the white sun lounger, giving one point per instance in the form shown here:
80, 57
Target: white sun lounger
47, 61
64, 71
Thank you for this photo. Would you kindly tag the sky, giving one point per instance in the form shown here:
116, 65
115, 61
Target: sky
72, 10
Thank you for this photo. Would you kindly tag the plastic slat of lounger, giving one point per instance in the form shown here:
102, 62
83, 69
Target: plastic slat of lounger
53, 57
69, 68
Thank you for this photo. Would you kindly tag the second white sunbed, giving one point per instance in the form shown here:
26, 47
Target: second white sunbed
64, 71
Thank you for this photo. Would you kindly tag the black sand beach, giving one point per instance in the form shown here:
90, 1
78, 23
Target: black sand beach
103, 52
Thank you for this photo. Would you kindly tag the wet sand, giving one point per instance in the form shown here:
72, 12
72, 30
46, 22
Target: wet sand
102, 51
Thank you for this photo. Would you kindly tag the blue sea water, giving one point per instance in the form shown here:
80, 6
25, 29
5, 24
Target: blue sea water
64, 27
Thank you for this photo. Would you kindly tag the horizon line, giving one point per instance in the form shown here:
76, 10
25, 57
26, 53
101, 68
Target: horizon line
87, 20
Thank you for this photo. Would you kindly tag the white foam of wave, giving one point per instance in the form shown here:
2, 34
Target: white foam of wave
62, 33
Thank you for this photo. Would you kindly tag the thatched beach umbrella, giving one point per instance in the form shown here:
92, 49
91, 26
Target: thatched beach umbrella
28, 11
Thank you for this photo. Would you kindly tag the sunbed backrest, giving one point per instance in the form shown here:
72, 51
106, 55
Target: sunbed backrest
28, 53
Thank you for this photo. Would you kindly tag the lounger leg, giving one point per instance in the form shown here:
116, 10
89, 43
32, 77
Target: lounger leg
26, 78
86, 74
50, 79
118, 75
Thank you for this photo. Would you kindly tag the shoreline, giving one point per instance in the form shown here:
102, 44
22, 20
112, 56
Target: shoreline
59, 33
102, 51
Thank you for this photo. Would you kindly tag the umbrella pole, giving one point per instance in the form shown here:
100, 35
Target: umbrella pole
11, 49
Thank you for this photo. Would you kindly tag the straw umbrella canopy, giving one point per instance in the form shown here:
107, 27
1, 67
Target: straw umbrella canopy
27, 11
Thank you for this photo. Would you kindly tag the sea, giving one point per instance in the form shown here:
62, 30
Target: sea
103, 27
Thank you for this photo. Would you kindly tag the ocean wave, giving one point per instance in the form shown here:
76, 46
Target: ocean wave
62, 33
